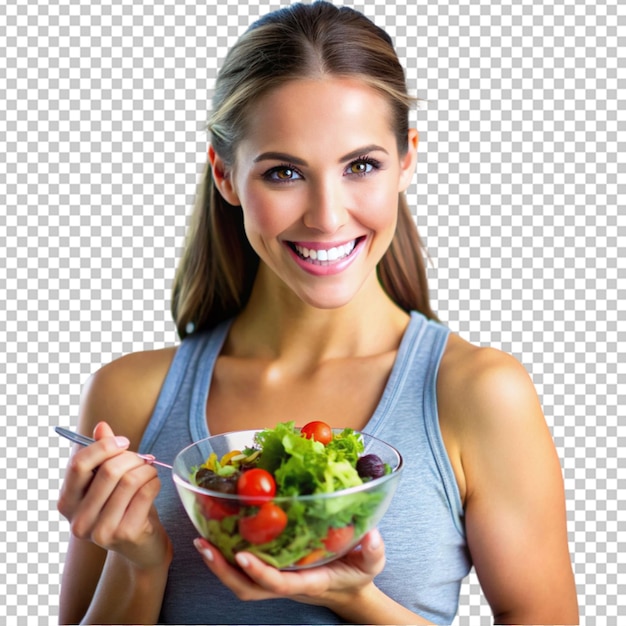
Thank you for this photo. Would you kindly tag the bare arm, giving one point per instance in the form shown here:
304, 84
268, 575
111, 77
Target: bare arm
113, 593
126, 594
82, 570
514, 496
118, 549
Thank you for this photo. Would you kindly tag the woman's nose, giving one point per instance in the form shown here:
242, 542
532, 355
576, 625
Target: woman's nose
326, 210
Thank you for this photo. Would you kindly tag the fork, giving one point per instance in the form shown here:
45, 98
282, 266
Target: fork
86, 441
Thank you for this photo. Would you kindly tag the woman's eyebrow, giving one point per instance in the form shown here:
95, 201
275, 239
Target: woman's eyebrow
355, 154
283, 156
279, 156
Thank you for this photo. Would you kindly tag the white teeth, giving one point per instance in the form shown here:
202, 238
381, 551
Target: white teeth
330, 254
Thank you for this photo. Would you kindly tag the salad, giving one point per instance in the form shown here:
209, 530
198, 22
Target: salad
265, 509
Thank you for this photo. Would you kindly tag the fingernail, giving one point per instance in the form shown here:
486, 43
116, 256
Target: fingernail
375, 540
206, 553
122, 442
242, 559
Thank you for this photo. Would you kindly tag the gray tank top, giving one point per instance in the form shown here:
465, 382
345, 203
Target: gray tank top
423, 530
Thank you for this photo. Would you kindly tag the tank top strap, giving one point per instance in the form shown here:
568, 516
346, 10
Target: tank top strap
411, 394
187, 380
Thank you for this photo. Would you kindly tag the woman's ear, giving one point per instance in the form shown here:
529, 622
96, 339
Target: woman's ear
222, 178
408, 162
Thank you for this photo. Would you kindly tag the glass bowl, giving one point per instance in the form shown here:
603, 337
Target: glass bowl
320, 527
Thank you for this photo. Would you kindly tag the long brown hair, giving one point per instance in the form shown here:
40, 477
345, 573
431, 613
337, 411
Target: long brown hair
218, 266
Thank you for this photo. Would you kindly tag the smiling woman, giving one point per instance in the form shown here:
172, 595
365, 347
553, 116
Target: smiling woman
294, 45
301, 295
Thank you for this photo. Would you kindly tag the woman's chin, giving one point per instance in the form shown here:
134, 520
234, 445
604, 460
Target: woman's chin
330, 298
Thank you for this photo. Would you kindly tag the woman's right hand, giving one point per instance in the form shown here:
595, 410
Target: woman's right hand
108, 498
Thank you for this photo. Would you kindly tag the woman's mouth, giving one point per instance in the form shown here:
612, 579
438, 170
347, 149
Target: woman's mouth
320, 256
325, 259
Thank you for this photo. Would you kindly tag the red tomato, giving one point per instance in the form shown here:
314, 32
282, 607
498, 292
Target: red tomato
319, 431
255, 485
265, 525
338, 539
216, 508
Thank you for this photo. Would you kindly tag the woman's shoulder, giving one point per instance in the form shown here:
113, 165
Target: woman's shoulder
477, 385
124, 392
486, 399
481, 380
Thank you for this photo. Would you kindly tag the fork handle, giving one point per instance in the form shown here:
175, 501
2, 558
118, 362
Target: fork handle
83, 440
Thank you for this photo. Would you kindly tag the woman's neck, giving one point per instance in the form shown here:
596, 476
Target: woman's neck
275, 324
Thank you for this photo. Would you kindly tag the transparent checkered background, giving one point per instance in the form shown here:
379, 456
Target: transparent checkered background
519, 196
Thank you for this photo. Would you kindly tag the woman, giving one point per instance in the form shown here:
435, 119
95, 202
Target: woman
302, 295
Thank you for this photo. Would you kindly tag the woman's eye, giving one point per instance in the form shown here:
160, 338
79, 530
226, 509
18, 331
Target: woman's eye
281, 174
362, 166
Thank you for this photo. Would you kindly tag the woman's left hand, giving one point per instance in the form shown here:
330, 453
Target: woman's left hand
334, 585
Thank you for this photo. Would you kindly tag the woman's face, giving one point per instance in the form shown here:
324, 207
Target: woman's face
317, 178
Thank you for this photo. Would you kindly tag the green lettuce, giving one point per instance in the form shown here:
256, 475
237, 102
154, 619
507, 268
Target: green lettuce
303, 466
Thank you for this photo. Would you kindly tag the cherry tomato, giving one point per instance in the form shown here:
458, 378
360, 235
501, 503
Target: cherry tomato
216, 508
264, 525
255, 485
338, 539
319, 431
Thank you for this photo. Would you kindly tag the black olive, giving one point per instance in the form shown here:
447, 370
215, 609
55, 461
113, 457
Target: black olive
370, 466
210, 480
